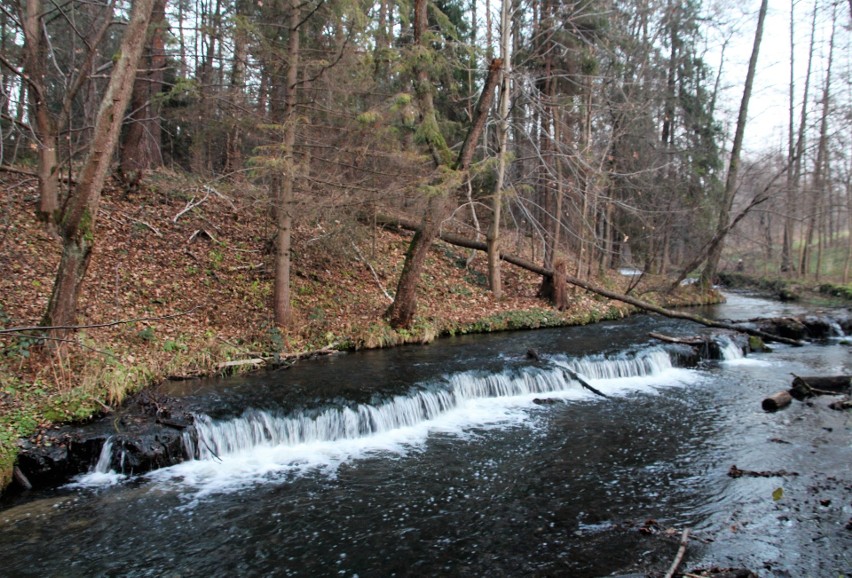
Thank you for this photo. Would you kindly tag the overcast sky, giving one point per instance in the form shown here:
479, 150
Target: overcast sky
768, 110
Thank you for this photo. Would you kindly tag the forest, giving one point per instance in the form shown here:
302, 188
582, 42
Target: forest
219, 160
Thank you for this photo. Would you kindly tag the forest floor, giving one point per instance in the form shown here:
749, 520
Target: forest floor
180, 283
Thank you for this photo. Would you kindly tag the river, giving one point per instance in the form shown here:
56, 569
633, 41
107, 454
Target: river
465, 458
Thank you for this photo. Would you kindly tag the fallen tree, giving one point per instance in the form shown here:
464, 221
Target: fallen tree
809, 386
461, 241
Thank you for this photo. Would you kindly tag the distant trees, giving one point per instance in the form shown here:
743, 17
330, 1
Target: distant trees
604, 147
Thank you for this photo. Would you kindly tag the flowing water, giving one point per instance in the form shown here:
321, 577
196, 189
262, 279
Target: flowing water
465, 458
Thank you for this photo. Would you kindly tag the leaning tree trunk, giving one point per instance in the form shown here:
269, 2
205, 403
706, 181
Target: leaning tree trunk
460, 241
401, 312
80, 212
714, 253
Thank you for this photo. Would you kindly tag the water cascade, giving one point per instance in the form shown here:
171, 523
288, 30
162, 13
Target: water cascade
212, 439
730, 351
102, 474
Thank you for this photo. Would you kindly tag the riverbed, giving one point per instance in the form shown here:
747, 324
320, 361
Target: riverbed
466, 458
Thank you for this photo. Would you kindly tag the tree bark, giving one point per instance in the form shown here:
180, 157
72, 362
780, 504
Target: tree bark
35, 59
776, 401
80, 212
283, 206
141, 148
495, 281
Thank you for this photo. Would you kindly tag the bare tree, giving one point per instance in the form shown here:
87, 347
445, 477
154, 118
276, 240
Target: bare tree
714, 252
49, 118
820, 174
493, 236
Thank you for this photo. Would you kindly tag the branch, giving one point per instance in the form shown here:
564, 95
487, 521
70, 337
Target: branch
149, 225
95, 325
373, 271
191, 204
9, 169
684, 539
460, 241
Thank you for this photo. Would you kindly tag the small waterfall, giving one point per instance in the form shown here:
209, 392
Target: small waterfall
102, 473
729, 350
212, 439
836, 329
650, 362
105, 459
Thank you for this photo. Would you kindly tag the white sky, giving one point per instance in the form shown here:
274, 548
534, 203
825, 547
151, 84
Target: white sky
768, 109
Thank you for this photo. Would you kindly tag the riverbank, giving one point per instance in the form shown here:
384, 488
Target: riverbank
174, 291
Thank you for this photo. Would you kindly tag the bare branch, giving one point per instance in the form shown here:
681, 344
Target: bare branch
11, 330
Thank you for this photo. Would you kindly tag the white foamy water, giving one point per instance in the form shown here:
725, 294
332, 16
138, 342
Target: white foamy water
261, 445
102, 473
732, 354
730, 350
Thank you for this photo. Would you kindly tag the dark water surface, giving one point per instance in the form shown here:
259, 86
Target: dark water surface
494, 485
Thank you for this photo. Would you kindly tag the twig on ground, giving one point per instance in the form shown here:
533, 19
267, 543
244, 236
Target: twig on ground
191, 204
373, 271
684, 540
149, 225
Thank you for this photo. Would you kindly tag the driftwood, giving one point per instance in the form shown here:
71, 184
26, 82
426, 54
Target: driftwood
21, 478
576, 377
460, 241
253, 362
841, 404
804, 387
569, 374
693, 341
777, 400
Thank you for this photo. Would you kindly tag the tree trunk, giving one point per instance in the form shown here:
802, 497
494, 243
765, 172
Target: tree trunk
35, 60
460, 241
80, 212
714, 254
789, 197
284, 194
820, 175
495, 281
401, 311
141, 149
